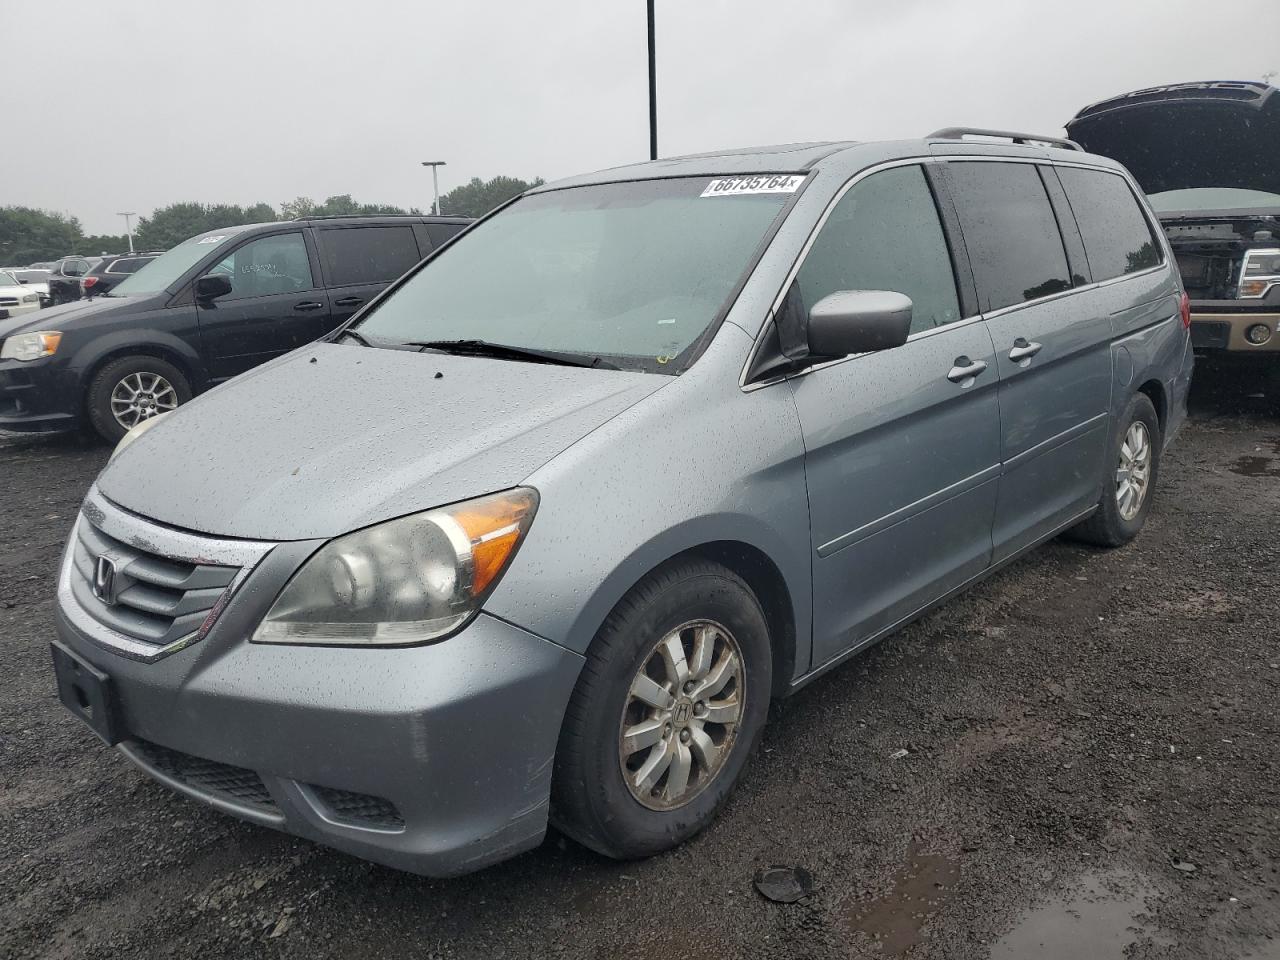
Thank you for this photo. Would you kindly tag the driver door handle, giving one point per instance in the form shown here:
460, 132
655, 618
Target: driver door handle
965, 369
308, 305
348, 302
1023, 350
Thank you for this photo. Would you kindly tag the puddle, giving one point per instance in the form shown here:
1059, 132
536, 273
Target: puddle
1098, 919
920, 889
1258, 465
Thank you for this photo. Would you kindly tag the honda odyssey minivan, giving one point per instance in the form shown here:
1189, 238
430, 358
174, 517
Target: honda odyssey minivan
539, 533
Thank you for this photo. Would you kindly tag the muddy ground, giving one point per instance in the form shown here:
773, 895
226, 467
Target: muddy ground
1093, 772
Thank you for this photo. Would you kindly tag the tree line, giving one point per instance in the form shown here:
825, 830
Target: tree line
28, 235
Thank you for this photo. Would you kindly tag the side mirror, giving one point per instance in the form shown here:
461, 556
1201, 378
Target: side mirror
212, 286
858, 321
23, 282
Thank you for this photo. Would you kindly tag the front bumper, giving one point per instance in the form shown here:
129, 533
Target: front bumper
434, 759
1225, 333
38, 396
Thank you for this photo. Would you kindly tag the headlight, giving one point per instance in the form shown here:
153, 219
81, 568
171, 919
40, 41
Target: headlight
1259, 273
137, 430
31, 298
31, 346
405, 581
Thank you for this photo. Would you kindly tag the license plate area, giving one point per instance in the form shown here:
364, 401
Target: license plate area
87, 692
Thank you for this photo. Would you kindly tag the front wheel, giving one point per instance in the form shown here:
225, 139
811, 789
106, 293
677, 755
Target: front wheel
132, 389
666, 713
1133, 466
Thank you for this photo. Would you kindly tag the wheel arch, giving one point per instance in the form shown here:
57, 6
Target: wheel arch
1155, 391
162, 346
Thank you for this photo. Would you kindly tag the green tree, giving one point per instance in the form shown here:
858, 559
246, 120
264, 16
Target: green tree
169, 226
340, 206
478, 197
100, 243
28, 235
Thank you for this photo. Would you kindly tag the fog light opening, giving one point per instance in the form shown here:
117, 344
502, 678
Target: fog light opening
1258, 334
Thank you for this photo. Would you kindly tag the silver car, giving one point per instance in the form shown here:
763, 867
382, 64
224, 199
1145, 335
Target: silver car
539, 534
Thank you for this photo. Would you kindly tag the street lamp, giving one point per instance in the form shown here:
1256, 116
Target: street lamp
435, 183
128, 225
653, 92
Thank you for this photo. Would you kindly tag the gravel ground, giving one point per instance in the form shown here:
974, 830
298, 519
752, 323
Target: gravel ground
1093, 771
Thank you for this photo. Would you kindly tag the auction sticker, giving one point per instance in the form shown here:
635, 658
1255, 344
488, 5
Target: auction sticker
757, 183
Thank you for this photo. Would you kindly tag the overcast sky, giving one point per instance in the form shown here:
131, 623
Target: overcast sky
132, 105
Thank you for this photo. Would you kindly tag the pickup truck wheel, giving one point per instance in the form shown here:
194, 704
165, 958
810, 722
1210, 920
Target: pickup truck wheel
132, 389
667, 711
1133, 467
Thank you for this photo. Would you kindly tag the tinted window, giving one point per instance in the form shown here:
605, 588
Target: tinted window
1010, 232
270, 265
441, 233
1117, 237
884, 234
128, 265
75, 268
367, 254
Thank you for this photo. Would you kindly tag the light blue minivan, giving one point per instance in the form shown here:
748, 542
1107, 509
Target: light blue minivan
539, 534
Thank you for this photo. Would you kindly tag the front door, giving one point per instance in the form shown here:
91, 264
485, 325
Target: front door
902, 445
1053, 347
274, 305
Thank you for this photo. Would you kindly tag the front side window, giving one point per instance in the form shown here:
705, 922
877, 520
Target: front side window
266, 266
630, 272
1117, 237
885, 234
1010, 231
354, 255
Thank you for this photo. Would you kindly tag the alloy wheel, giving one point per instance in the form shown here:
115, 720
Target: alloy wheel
141, 396
1133, 476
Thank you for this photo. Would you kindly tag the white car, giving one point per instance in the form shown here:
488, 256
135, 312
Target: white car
17, 298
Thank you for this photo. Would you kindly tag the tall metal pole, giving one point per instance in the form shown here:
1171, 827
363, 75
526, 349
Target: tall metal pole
128, 226
653, 93
435, 183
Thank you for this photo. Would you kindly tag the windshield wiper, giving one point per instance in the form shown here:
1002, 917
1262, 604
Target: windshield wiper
354, 335
502, 351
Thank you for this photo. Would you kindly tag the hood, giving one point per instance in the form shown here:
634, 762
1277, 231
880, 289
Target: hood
333, 437
1212, 134
54, 318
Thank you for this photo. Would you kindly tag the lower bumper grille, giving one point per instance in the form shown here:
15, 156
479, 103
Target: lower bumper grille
1206, 333
207, 776
359, 809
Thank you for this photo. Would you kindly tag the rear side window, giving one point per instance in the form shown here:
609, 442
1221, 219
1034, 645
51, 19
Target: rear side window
367, 254
885, 234
441, 233
128, 265
1117, 237
1010, 231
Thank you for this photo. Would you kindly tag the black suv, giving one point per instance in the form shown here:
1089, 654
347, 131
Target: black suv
65, 276
112, 270
212, 307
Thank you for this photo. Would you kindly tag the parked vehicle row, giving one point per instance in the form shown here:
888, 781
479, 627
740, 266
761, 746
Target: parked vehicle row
209, 309
539, 533
16, 295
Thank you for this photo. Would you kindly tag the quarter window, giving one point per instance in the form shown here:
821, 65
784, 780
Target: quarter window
367, 254
269, 265
1010, 231
885, 234
1117, 235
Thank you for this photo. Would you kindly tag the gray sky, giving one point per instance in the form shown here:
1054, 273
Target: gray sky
239, 101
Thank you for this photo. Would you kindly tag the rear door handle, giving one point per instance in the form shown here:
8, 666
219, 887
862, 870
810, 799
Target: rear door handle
1023, 350
348, 302
965, 370
308, 305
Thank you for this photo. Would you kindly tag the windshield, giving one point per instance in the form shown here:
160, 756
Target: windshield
632, 272
1212, 198
8, 279
163, 270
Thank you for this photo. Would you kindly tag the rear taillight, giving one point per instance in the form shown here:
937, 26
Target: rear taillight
88, 283
1185, 307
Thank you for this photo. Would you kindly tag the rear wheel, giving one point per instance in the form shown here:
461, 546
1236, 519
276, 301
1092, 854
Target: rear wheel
666, 713
130, 390
1133, 466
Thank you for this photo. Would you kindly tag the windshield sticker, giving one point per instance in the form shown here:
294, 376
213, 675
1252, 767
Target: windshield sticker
737, 186
217, 239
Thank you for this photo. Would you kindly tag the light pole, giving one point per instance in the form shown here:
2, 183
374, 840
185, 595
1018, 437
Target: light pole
435, 183
653, 93
128, 225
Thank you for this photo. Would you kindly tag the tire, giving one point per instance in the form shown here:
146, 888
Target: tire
1112, 525
590, 800
159, 380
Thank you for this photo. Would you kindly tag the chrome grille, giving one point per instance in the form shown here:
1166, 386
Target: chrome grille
8, 301
152, 598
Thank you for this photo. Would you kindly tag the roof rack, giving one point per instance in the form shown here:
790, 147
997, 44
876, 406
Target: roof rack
1027, 139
